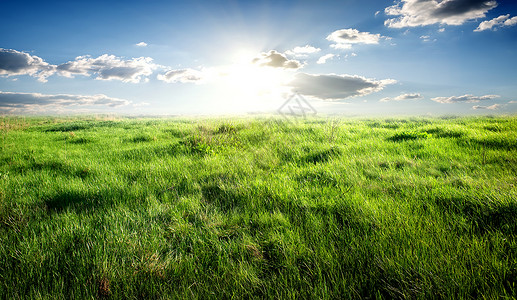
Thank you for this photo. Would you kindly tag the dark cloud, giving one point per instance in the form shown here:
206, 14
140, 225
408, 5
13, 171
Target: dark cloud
413, 13
462, 7
14, 62
276, 60
109, 67
465, 98
41, 103
336, 87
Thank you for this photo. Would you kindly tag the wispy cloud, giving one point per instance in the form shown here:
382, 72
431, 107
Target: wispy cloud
414, 96
412, 13
109, 67
345, 38
141, 44
336, 87
303, 51
276, 60
427, 38
45, 103
182, 76
465, 98
491, 107
501, 21
14, 63
324, 58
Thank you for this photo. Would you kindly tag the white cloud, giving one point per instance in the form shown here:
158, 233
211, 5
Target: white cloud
513, 102
500, 21
324, 58
141, 44
413, 96
441, 30
303, 51
109, 67
14, 62
511, 22
276, 60
43, 103
345, 38
465, 98
427, 38
182, 76
491, 107
412, 13
336, 87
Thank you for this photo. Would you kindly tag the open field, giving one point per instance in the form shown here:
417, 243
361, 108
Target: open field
220, 208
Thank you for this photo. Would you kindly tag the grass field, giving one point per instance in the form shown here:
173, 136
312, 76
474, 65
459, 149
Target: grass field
244, 208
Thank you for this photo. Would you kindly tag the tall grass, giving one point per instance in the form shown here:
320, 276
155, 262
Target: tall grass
220, 208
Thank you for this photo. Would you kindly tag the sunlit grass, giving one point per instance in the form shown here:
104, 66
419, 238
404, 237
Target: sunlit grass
320, 208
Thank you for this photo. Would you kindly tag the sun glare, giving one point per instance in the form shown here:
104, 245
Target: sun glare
254, 87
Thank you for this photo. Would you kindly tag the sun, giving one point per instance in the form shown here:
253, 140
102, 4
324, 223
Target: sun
252, 86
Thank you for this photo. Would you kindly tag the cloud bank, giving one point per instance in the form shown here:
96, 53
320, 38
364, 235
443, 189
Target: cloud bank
109, 67
412, 13
105, 67
14, 63
501, 21
43, 103
336, 87
465, 98
345, 38
276, 60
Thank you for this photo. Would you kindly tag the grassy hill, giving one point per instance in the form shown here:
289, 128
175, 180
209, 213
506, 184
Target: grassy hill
260, 207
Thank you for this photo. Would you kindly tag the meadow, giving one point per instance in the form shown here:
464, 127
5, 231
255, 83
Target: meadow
124, 208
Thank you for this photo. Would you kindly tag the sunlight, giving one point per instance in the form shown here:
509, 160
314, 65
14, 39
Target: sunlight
253, 87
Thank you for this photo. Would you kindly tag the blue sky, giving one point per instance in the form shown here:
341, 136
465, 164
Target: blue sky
223, 57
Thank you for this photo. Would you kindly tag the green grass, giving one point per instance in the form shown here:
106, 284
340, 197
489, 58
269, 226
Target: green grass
245, 208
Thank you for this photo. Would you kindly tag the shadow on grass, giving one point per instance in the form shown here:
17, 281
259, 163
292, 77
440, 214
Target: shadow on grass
80, 201
81, 140
482, 217
224, 199
81, 125
313, 156
322, 155
496, 143
445, 133
142, 138
408, 136
56, 167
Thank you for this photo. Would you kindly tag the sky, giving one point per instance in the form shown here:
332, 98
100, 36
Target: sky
156, 57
